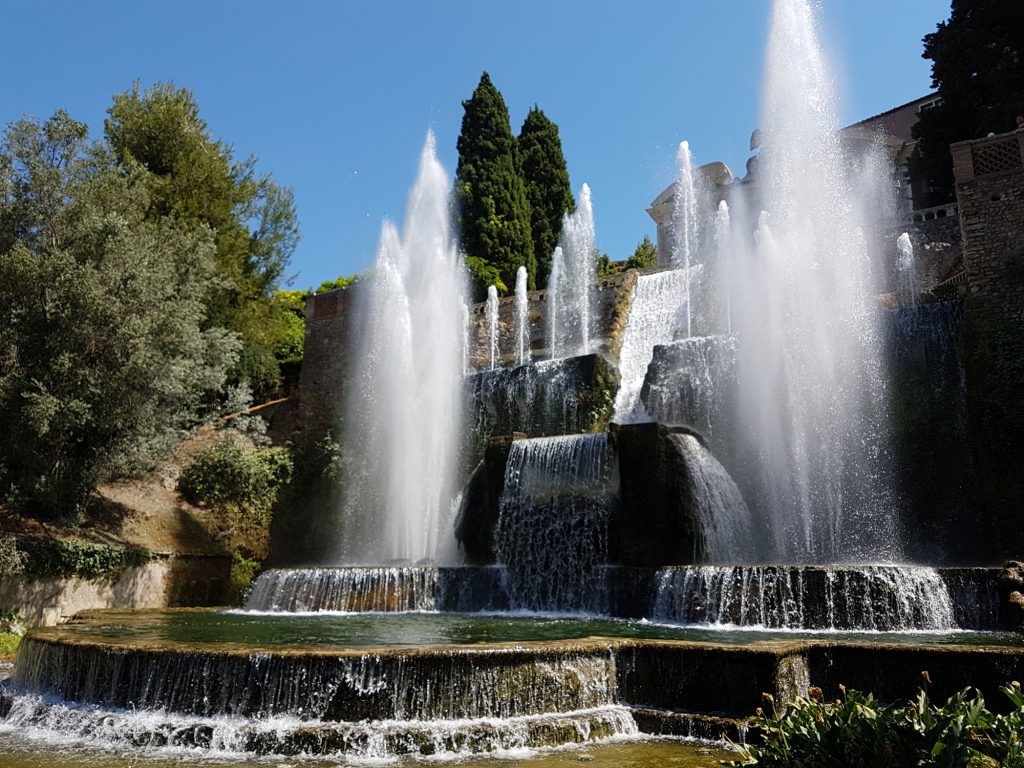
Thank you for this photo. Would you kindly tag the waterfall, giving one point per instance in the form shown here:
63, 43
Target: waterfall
379, 589
522, 319
692, 382
726, 527
869, 598
571, 282
403, 417
552, 531
541, 398
492, 324
656, 315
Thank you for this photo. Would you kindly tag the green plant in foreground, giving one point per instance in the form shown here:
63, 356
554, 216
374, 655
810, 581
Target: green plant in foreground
857, 730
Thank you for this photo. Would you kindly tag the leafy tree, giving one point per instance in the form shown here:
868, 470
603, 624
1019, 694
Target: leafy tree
978, 70
645, 255
547, 186
103, 351
196, 178
494, 212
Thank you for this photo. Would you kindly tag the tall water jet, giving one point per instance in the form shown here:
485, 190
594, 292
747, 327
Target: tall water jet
724, 252
906, 264
812, 396
492, 324
685, 224
554, 303
522, 319
572, 278
403, 419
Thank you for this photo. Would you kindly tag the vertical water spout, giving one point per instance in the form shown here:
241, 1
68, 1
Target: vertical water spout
492, 324
724, 246
522, 319
403, 411
554, 305
812, 398
572, 279
906, 263
684, 222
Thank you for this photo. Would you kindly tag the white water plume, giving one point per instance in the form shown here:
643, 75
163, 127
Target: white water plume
403, 419
812, 397
522, 319
906, 263
685, 225
571, 282
492, 324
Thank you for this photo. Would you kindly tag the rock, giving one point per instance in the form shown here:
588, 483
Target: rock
1015, 611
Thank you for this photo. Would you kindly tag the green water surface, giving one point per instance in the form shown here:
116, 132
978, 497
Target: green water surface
202, 628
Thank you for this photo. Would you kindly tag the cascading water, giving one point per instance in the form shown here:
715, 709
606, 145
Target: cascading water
726, 527
685, 226
658, 312
906, 265
870, 598
492, 324
552, 531
403, 423
522, 319
571, 282
813, 437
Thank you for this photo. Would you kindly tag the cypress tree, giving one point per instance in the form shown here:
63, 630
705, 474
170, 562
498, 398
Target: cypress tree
547, 186
494, 212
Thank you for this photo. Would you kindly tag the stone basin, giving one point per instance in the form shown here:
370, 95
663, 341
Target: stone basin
239, 682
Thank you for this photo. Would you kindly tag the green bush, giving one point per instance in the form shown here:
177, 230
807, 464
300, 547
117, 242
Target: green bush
232, 473
859, 731
12, 560
243, 571
82, 559
241, 482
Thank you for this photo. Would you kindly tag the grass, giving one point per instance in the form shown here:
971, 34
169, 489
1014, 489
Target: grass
8, 644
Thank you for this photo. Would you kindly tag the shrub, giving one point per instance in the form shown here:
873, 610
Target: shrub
859, 731
12, 560
81, 559
241, 482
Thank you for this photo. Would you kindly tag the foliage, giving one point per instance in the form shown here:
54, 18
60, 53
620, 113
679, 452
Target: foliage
547, 186
242, 482
493, 209
644, 257
859, 731
978, 70
243, 572
301, 532
9, 642
12, 560
196, 179
102, 312
482, 274
603, 265
340, 282
82, 559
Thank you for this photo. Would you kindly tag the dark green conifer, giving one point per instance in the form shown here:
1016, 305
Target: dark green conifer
547, 186
494, 213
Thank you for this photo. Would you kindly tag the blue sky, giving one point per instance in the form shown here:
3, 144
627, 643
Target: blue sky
336, 98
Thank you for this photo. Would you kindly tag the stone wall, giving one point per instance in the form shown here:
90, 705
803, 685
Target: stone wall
160, 583
990, 193
331, 342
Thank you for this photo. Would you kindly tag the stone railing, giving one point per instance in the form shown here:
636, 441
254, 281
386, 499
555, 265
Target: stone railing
988, 156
